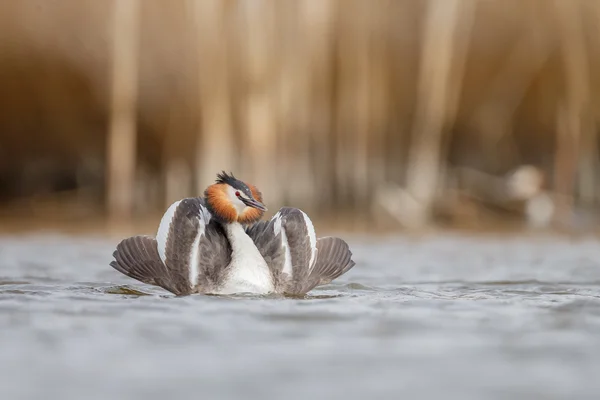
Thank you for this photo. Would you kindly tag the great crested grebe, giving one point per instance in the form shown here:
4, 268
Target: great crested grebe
217, 244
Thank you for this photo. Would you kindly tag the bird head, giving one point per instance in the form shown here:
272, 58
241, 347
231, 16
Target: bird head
231, 200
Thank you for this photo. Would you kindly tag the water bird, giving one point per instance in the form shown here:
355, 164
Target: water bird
217, 244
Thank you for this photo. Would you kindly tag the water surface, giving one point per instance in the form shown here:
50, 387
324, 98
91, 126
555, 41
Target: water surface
444, 317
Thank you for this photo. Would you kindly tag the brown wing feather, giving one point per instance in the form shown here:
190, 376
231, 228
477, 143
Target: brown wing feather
137, 257
334, 259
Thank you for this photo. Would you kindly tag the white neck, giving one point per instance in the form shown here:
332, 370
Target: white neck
249, 271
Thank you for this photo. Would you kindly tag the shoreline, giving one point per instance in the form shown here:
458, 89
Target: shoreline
100, 225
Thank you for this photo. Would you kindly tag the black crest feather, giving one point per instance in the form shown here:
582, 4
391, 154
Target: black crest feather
232, 181
227, 178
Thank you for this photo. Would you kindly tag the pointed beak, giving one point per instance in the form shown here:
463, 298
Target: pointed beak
255, 204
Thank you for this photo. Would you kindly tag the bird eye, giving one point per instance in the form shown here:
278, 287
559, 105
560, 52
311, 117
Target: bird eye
237, 193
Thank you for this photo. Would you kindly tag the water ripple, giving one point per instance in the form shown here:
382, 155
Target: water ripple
449, 316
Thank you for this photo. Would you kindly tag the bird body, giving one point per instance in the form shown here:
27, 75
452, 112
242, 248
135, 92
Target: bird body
249, 270
217, 244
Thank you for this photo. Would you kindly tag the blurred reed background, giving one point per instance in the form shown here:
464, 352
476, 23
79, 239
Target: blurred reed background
365, 113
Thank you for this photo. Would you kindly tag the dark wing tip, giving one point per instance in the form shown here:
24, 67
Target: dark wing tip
334, 259
137, 257
116, 265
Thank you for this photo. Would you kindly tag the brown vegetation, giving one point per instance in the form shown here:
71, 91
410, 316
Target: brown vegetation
403, 108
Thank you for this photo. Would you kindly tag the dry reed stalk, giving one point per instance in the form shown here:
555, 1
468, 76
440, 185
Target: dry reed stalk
442, 60
352, 99
508, 87
177, 172
121, 159
303, 108
342, 149
291, 104
364, 93
169, 107
216, 147
357, 117
316, 31
259, 55
564, 165
591, 167
381, 91
575, 112
351, 96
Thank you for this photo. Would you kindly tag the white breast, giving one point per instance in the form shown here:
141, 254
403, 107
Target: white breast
249, 272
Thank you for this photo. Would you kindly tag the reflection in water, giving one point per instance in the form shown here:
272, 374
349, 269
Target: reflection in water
447, 316
123, 289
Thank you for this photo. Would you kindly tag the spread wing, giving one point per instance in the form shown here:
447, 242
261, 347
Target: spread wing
190, 253
298, 261
298, 237
334, 259
137, 257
